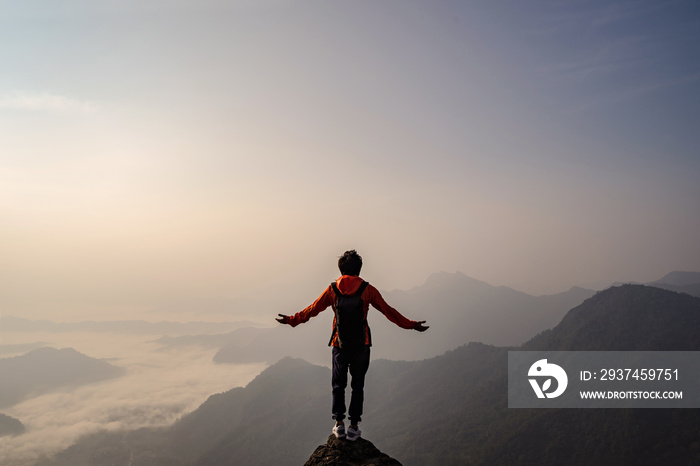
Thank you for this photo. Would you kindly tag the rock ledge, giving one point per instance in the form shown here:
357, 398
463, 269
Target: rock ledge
341, 452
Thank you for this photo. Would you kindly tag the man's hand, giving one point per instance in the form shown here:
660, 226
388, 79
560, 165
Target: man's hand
420, 327
283, 319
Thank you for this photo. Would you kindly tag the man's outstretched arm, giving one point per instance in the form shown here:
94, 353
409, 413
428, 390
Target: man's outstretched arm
377, 301
323, 301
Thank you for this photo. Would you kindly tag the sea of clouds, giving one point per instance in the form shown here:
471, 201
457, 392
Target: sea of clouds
158, 388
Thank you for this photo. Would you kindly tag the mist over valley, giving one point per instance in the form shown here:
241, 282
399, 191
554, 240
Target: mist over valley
152, 388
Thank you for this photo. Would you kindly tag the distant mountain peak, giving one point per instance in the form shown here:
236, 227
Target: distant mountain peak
361, 452
45, 369
679, 278
448, 279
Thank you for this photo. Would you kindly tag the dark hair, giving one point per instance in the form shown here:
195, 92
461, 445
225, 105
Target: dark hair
350, 263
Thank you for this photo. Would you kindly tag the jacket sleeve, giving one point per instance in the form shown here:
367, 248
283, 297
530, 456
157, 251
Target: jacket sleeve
377, 301
323, 302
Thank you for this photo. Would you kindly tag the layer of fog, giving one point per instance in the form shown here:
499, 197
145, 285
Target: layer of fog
158, 388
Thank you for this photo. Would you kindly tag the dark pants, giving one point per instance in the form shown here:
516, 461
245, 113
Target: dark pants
358, 363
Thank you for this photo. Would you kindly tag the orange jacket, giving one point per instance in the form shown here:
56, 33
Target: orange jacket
348, 284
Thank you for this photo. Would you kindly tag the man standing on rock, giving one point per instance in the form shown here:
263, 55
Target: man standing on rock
350, 297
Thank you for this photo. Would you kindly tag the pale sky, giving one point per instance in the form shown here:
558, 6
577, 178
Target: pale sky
156, 151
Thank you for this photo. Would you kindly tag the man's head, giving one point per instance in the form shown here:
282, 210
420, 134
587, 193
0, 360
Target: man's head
350, 263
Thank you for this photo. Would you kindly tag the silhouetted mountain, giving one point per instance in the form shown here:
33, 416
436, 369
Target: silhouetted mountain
451, 409
473, 425
683, 282
678, 278
10, 426
458, 309
45, 369
340, 452
627, 318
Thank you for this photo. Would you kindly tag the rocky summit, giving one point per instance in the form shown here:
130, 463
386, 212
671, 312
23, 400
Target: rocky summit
342, 452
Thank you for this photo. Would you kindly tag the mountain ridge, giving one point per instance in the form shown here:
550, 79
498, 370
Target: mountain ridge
458, 308
682, 282
450, 409
678, 278
591, 321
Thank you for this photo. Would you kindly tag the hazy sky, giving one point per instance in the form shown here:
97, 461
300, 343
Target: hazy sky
165, 150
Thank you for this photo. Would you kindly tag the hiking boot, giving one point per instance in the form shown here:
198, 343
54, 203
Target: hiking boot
353, 433
339, 431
